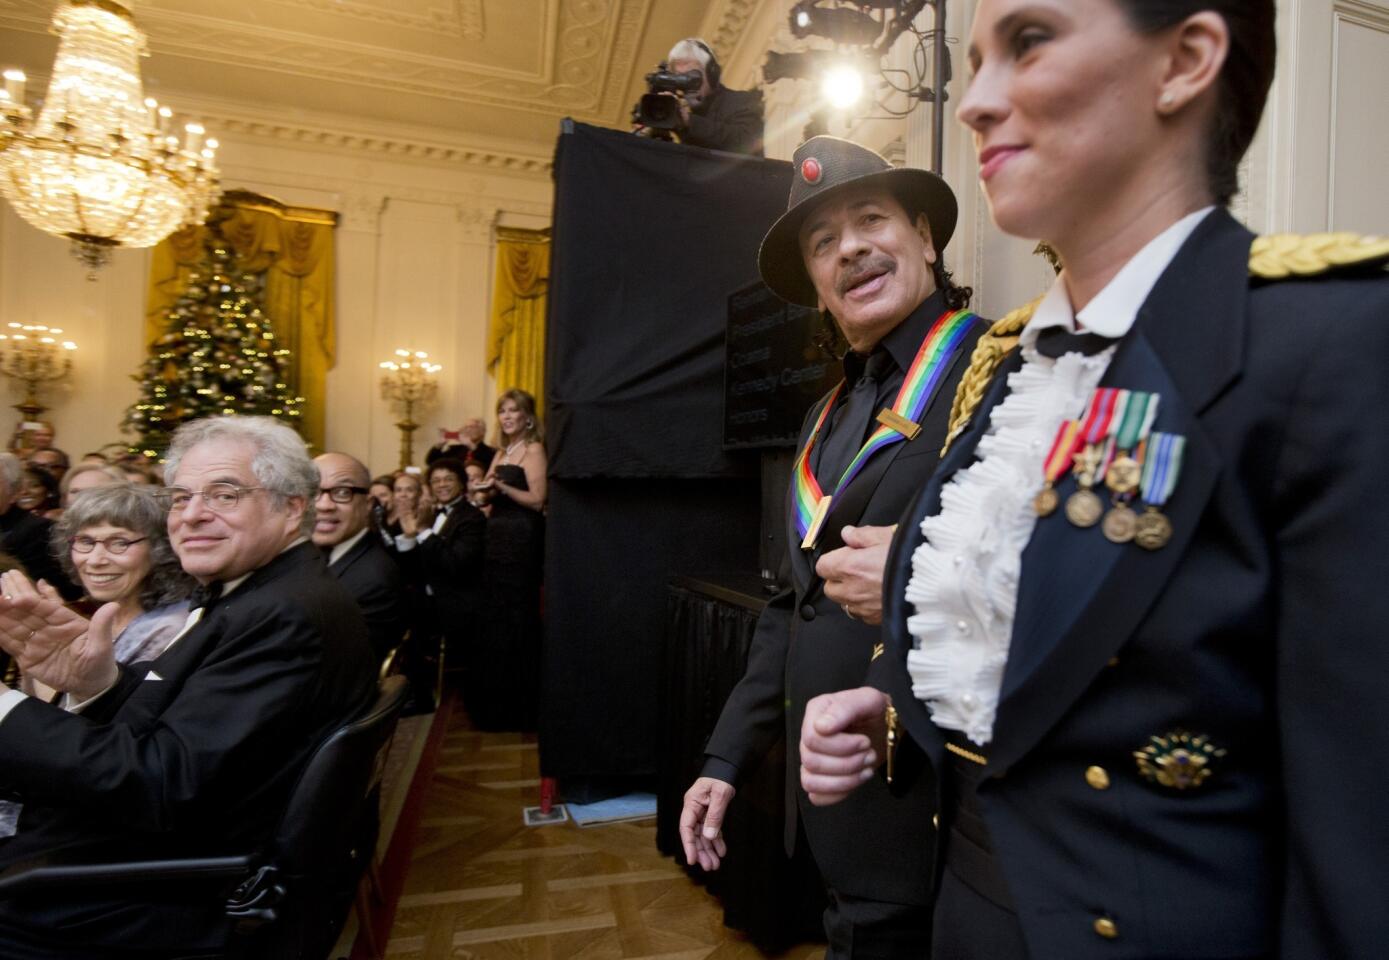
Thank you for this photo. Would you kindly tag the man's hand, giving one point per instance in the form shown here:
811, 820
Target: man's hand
843, 739
701, 822
853, 574
53, 645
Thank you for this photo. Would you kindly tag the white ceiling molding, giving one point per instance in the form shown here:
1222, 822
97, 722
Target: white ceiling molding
449, 18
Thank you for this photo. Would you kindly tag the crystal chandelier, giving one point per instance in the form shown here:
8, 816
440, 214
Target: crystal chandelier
100, 165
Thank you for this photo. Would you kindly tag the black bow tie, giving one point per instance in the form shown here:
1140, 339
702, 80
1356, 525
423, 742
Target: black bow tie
205, 595
1057, 341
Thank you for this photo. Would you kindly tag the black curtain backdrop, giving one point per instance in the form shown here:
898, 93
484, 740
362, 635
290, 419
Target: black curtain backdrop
649, 240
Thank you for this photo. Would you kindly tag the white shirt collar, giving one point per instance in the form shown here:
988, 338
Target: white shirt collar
1115, 308
340, 550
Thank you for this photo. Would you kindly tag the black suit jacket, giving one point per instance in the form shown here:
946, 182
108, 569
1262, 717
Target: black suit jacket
199, 762
450, 564
25, 537
373, 578
727, 120
872, 845
1260, 625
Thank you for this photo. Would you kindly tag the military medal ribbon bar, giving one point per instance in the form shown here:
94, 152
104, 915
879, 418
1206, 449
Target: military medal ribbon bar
1058, 461
1161, 467
1084, 507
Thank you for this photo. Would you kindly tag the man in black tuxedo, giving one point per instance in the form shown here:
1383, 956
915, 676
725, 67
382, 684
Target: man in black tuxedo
467, 445
445, 553
195, 752
864, 242
24, 535
355, 555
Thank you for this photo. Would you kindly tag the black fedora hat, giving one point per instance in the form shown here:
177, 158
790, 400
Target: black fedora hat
824, 167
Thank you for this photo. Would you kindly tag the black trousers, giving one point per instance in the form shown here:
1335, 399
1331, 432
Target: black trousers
860, 929
974, 917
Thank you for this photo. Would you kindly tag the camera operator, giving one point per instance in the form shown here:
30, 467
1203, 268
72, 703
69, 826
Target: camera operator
710, 115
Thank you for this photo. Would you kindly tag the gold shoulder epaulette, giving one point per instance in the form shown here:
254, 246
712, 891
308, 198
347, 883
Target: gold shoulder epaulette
989, 352
1284, 255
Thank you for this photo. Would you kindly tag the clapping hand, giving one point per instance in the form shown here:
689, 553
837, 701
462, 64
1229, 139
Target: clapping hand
52, 644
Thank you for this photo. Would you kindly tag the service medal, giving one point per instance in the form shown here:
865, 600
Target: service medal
1058, 461
1084, 508
1120, 524
1152, 530
1161, 467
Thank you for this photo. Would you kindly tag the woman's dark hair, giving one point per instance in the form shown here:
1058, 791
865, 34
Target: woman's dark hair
1244, 80
134, 508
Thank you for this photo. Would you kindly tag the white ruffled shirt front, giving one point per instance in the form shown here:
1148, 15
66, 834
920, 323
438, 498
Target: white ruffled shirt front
964, 582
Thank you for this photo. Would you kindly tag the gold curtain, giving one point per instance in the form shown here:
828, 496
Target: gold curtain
516, 333
294, 248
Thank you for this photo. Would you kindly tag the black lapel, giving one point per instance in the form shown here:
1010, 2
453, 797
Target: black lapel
1072, 616
855, 499
896, 608
358, 551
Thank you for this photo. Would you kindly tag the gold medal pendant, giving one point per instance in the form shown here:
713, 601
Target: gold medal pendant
1152, 530
1120, 524
1084, 508
1123, 475
1046, 501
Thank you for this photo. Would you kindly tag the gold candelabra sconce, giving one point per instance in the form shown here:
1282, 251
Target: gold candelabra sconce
33, 354
409, 384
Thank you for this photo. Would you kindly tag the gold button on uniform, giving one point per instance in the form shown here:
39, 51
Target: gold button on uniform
1097, 778
935, 820
1106, 928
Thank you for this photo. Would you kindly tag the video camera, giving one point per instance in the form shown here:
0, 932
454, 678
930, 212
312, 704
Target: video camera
657, 111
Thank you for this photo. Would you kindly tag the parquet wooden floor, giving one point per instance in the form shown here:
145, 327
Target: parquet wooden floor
482, 886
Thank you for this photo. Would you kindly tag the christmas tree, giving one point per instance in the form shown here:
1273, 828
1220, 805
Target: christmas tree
217, 355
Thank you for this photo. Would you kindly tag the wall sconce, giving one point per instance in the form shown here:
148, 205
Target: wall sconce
32, 354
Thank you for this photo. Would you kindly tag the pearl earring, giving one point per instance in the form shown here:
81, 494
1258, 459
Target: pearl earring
1167, 101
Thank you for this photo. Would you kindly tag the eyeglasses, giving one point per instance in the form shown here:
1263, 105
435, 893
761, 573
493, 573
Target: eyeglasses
219, 497
113, 545
342, 494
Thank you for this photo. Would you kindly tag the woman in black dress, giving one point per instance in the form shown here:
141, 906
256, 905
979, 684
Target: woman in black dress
506, 674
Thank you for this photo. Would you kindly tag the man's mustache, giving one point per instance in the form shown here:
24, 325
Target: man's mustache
866, 268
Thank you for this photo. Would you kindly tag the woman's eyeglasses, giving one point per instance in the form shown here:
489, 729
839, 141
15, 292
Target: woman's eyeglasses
115, 545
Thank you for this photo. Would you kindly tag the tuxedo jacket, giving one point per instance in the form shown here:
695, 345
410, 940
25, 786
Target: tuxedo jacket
373, 578
872, 845
450, 564
1260, 627
193, 753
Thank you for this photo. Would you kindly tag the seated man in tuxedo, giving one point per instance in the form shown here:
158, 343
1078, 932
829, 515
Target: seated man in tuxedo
24, 535
195, 752
343, 531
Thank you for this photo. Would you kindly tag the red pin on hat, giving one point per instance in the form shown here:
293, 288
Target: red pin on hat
810, 170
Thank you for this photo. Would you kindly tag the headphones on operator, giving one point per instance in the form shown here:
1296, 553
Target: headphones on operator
713, 70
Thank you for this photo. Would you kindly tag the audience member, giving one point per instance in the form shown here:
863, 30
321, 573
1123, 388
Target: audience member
504, 690
94, 456
405, 501
441, 548
193, 753
467, 445
52, 459
479, 492
342, 530
38, 493
382, 491
24, 534
31, 435
85, 476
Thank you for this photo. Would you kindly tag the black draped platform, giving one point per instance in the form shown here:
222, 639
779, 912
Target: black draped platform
649, 240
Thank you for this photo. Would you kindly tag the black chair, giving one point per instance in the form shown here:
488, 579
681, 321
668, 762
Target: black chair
288, 901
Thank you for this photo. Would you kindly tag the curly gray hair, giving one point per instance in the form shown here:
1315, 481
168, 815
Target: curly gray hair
281, 461
134, 508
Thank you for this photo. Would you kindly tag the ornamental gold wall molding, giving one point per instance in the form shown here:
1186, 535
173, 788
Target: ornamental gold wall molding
586, 51
449, 18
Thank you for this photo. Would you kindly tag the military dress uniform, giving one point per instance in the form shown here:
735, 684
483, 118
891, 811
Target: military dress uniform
1181, 752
